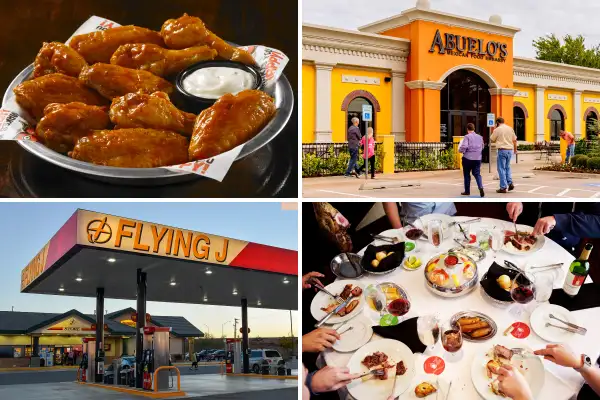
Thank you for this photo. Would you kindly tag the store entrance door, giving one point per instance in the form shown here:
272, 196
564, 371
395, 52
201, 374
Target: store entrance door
459, 120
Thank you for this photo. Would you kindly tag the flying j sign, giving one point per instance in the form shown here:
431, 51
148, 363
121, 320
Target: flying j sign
92, 229
465, 46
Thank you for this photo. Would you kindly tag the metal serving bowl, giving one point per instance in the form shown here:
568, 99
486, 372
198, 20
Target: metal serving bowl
346, 265
472, 314
443, 291
284, 101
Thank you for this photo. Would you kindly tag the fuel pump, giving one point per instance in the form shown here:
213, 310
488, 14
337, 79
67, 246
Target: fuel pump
156, 355
233, 359
88, 360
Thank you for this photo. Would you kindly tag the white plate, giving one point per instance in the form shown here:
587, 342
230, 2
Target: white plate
533, 370
541, 315
541, 240
358, 336
439, 383
323, 300
377, 389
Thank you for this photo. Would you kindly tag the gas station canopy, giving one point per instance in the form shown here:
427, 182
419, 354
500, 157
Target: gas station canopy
95, 250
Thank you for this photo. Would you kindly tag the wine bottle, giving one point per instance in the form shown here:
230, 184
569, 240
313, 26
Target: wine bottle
578, 271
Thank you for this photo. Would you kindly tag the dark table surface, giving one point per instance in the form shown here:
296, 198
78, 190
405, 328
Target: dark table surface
26, 24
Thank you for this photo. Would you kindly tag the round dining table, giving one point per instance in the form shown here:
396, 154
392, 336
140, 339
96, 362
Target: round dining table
560, 383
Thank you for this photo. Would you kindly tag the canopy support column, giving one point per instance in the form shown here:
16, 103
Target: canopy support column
99, 376
245, 344
139, 325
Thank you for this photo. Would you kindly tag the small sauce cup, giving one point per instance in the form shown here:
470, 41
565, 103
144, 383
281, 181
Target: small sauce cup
195, 103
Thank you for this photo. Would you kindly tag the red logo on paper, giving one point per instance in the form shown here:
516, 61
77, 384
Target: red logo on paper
521, 330
434, 365
578, 280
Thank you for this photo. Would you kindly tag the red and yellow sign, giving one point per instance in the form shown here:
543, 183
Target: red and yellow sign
134, 317
108, 231
35, 267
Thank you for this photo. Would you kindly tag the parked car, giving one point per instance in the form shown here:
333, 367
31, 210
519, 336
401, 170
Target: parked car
218, 355
259, 356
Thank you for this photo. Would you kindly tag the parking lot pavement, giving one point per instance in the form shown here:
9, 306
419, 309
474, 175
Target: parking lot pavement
449, 184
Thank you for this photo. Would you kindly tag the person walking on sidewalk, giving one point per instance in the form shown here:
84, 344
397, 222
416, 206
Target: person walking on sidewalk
194, 360
370, 152
570, 139
353, 138
471, 148
506, 142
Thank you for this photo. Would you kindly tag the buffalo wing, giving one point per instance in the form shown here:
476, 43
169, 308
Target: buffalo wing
99, 46
57, 57
34, 95
113, 80
188, 31
159, 61
138, 110
132, 148
231, 121
64, 124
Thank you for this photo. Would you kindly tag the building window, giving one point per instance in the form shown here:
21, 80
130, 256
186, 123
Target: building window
591, 125
465, 99
519, 122
355, 110
557, 124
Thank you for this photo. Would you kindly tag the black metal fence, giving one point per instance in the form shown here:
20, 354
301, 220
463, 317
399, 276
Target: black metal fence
425, 156
328, 159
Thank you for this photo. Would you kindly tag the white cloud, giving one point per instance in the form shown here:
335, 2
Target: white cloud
535, 18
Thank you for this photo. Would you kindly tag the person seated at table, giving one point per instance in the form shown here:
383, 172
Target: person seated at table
411, 211
328, 379
320, 339
514, 385
565, 228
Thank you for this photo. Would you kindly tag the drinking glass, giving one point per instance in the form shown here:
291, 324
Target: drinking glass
496, 240
412, 235
452, 340
375, 299
435, 232
544, 283
428, 329
522, 292
483, 238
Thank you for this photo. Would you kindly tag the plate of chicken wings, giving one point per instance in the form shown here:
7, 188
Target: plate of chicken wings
105, 104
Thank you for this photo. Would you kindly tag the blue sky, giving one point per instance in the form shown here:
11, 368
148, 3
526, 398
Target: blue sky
26, 227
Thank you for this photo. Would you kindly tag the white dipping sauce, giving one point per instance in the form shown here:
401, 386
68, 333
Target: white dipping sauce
214, 82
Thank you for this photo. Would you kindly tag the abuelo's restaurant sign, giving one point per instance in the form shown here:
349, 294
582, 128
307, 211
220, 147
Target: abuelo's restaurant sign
111, 232
465, 46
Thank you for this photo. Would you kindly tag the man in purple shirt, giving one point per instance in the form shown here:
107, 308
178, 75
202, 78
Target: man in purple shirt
471, 148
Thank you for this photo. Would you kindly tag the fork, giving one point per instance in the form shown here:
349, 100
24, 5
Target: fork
375, 372
327, 292
347, 330
519, 351
576, 327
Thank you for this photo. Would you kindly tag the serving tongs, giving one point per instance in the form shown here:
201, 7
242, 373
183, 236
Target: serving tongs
549, 266
337, 297
335, 311
512, 266
468, 221
384, 238
576, 328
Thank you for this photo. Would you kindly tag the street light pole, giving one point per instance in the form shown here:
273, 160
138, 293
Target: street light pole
222, 326
235, 322
207, 329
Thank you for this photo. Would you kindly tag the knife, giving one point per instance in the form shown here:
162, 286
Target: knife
394, 382
451, 224
577, 327
335, 311
327, 292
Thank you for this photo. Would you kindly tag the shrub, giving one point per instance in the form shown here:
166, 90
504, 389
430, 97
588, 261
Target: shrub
574, 159
582, 161
593, 163
526, 147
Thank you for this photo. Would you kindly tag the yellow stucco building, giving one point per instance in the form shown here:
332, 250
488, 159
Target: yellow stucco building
427, 74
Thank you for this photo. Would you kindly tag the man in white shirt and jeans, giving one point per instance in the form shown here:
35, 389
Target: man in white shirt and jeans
506, 143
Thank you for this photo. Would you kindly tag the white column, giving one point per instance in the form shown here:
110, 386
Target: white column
323, 103
577, 131
398, 109
540, 114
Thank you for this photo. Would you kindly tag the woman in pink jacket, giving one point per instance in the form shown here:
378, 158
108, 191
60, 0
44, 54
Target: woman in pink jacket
370, 152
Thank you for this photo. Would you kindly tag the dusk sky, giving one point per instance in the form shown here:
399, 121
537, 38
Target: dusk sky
26, 227
535, 17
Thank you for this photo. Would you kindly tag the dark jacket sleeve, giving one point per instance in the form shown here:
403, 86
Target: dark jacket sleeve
584, 223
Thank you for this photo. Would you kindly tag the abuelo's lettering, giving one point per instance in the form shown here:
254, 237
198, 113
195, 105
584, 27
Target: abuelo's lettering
162, 240
464, 46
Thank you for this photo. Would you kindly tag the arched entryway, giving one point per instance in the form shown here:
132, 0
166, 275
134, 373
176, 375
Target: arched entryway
591, 122
557, 116
519, 116
465, 99
353, 103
